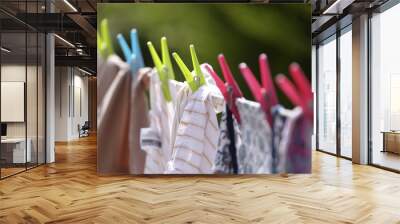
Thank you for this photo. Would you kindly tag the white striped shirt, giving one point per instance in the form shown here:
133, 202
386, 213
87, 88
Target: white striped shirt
155, 140
194, 141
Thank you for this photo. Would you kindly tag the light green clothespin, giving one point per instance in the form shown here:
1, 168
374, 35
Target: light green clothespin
104, 41
195, 79
164, 66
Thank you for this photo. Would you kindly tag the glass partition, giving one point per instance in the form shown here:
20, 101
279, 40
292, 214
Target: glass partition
327, 95
385, 89
22, 77
15, 150
346, 92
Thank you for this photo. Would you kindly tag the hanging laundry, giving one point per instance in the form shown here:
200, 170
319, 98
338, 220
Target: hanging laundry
299, 93
195, 128
229, 142
156, 139
283, 130
299, 149
266, 150
138, 120
180, 133
111, 69
118, 120
229, 135
256, 156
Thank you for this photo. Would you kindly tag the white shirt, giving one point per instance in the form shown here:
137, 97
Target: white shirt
155, 140
194, 133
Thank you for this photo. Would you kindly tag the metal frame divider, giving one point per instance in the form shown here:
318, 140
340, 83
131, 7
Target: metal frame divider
26, 87
338, 98
44, 72
381, 8
338, 72
317, 93
0, 91
369, 78
316, 97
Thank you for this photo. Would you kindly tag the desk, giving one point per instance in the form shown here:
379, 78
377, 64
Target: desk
391, 141
13, 150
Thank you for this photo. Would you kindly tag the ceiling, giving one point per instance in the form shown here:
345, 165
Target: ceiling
74, 22
332, 15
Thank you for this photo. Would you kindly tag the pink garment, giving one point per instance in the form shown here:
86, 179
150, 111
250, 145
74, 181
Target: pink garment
299, 149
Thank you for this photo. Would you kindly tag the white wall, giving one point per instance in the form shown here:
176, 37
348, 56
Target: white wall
79, 111
33, 126
61, 103
12, 73
9, 73
13, 100
71, 93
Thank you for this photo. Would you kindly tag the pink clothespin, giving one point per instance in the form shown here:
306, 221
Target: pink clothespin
265, 94
301, 81
220, 84
226, 72
300, 96
288, 88
266, 79
230, 90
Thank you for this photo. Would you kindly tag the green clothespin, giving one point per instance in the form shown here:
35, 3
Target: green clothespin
164, 66
104, 41
195, 79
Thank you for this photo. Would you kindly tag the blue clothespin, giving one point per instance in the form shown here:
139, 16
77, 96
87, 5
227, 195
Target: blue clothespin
132, 56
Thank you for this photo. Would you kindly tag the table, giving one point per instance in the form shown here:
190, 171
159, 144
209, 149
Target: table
391, 141
13, 150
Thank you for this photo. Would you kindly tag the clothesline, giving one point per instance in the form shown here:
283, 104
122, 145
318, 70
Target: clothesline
180, 133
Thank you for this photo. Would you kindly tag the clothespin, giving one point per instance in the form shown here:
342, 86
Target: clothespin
300, 96
104, 41
300, 80
230, 90
265, 94
196, 78
132, 56
266, 79
164, 66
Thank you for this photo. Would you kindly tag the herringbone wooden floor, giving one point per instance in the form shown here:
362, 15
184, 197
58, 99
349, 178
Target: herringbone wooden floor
69, 191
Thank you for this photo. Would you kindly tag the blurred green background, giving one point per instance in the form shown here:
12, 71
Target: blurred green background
240, 31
